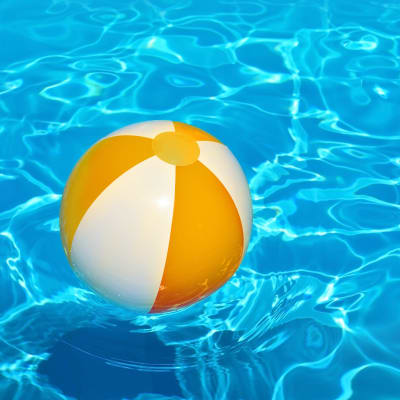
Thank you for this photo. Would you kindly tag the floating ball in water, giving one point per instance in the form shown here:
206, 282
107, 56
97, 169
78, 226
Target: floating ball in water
156, 216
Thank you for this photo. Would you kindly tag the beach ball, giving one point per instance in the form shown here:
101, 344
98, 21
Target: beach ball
156, 216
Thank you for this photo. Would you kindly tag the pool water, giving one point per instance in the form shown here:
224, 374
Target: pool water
306, 93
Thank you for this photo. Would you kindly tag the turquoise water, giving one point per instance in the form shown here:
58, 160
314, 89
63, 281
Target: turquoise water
307, 95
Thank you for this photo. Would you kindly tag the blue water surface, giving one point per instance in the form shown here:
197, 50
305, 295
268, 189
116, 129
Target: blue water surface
306, 93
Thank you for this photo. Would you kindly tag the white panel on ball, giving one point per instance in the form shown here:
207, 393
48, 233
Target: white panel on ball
121, 244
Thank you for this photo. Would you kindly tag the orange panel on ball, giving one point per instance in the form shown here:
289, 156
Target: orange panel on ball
101, 165
192, 131
206, 243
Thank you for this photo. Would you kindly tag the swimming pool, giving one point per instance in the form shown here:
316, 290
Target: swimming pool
306, 94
